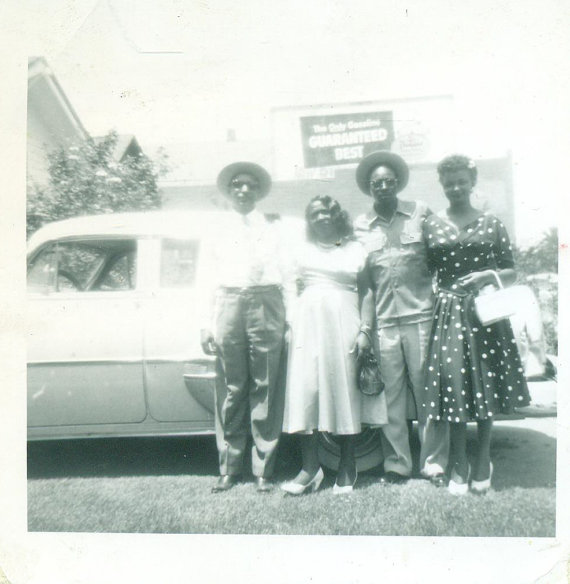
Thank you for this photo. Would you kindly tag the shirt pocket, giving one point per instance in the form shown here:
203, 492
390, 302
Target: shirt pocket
411, 236
375, 244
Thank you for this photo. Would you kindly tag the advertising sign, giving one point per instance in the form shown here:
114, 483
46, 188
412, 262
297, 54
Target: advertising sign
330, 140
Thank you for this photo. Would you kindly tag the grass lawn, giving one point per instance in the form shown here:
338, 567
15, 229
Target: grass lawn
163, 486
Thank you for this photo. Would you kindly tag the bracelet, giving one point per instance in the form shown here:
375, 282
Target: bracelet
365, 327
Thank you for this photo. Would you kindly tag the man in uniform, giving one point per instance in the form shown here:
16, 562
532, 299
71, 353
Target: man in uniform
245, 326
392, 234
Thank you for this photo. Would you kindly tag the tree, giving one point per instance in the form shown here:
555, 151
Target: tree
537, 267
85, 179
541, 257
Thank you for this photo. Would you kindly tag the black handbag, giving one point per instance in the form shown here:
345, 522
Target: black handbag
369, 379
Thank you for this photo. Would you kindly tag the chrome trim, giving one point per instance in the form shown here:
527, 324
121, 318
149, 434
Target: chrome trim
208, 376
186, 360
85, 362
45, 433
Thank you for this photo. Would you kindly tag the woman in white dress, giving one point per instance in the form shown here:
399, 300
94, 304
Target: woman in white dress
328, 337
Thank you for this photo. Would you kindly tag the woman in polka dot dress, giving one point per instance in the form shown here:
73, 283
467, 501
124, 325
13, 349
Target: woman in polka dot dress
472, 371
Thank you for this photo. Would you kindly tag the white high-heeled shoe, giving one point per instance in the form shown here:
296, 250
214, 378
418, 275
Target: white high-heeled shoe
346, 489
481, 487
454, 486
293, 488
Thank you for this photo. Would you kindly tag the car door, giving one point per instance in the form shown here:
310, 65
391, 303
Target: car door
84, 335
179, 377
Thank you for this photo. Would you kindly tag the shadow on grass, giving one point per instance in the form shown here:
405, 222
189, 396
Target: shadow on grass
522, 458
116, 457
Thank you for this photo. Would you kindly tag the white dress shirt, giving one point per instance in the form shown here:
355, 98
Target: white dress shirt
243, 251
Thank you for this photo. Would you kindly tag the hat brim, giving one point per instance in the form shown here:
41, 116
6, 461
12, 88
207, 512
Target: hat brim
381, 158
231, 170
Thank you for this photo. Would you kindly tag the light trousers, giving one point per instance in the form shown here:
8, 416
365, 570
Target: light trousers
402, 359
249, 334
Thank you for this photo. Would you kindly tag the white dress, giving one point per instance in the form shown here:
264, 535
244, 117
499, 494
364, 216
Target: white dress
321, 391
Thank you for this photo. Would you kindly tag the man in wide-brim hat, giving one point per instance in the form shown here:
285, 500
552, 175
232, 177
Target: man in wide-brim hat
382, 158
232, 172
245, 326
403, 295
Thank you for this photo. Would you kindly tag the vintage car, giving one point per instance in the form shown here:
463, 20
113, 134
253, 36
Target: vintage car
113, 336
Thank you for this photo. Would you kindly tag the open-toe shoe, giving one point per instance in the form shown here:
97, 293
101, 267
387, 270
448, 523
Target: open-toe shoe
346, 489
293, 488
481, 487
457, 484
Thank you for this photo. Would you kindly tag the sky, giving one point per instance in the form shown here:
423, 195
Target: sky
176, 71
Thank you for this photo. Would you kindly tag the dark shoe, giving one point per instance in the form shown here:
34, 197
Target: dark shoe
225, 483
438, 480
263, 485
393, 478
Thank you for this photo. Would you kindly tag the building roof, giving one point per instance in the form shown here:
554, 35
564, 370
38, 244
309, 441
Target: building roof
41, 78
126, 145
199, 162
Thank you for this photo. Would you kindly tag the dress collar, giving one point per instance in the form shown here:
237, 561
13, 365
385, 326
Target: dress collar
444, 217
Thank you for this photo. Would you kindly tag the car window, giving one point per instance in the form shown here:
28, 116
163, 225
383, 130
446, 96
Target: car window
81, 266
121, 273
178, 263
77, 265
42, 271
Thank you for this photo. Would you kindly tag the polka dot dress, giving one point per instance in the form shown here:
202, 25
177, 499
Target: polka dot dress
472, 371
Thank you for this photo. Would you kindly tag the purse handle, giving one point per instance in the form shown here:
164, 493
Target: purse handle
488, 288
499, 283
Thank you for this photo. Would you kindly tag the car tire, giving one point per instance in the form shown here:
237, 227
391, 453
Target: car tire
368, 450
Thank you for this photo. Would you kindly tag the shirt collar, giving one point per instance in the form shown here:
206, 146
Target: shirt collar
252, 218
401, 207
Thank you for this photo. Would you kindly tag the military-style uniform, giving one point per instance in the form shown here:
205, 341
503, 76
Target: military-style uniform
404, 300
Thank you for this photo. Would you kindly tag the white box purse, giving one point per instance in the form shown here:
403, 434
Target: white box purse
493, 305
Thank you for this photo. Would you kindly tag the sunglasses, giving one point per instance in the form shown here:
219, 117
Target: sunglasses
239, 184
380, 182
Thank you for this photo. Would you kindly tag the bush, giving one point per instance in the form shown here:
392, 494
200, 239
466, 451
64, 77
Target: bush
537, 267
539, 258
85, 179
